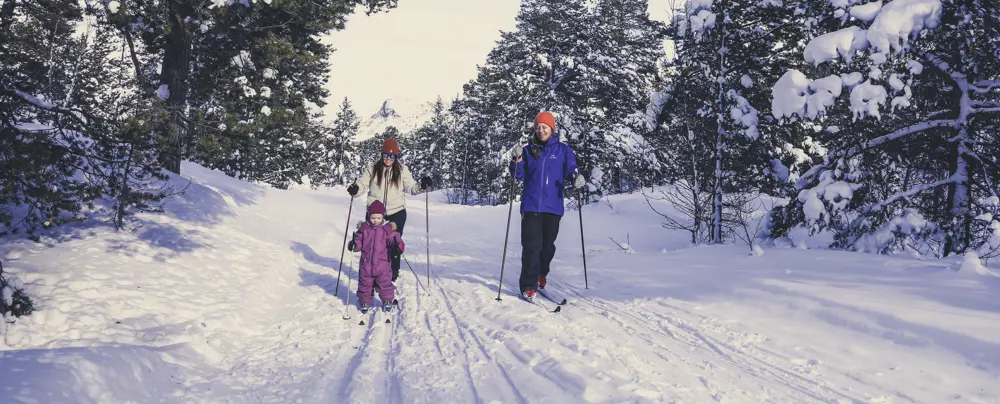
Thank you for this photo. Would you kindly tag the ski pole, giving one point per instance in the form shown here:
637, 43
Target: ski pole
344, 247
347, 306
579, 197
510, 211
427, 228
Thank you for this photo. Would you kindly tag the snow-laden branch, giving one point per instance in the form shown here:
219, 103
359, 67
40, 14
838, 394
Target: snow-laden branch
876, 207
77, 115
983, 86
991, 104
909, 130
943, 66
920, 127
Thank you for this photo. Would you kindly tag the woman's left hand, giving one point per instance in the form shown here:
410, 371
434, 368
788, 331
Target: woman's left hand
425, 182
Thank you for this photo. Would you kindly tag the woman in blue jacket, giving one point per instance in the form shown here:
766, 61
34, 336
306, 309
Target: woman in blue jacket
547, 165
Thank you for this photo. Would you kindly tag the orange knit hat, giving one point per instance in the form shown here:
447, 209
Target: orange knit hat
546, 118
390, 146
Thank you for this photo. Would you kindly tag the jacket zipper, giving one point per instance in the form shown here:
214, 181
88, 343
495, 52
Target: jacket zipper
541, 186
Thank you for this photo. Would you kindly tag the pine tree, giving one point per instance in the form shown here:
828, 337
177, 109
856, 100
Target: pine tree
424, 148
724, 51
41, 126
206, 48
342, 153
917, 179
592, 64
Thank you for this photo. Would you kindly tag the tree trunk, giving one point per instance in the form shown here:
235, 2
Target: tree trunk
958, 237
720, 137
174, 74
6, 19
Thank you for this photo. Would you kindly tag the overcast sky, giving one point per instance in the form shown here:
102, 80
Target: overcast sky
417, 51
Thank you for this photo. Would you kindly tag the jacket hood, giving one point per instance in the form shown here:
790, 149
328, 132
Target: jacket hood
390, 225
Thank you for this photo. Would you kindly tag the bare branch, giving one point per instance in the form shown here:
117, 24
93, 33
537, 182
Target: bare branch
628, 243
906, 194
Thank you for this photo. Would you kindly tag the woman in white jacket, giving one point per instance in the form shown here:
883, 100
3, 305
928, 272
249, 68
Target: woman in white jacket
387, 180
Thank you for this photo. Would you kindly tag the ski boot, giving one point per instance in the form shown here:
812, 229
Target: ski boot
528, 295
364, 308
541, 282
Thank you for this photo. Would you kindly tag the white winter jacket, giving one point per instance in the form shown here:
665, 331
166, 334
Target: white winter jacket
392, 197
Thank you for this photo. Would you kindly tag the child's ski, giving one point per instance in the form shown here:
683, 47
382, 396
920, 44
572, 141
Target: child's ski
364, 312
394, 307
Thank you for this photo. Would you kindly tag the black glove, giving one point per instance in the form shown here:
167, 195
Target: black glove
394, 249
350, 244
425, 182
352, 189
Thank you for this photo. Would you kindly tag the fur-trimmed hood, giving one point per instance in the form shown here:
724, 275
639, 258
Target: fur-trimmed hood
387, 223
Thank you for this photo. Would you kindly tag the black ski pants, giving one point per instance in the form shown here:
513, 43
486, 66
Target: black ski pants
399, 218
538, 246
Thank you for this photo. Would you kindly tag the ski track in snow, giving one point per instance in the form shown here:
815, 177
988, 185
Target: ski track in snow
451, 341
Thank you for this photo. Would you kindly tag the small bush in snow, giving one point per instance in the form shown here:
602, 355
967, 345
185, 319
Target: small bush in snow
13, 300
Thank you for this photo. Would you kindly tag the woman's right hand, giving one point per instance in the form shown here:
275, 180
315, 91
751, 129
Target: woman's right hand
352, 189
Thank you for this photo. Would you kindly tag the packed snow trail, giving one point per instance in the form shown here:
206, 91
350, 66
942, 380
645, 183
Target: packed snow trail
229, 297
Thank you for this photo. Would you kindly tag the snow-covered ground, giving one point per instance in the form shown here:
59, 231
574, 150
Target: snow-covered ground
229, 297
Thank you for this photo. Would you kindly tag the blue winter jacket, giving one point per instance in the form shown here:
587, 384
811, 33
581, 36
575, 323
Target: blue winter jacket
545, 177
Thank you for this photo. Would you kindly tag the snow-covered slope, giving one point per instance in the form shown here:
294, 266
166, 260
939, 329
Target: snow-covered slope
229, 297
405, 114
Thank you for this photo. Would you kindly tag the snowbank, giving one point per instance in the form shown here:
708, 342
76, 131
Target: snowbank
231, 295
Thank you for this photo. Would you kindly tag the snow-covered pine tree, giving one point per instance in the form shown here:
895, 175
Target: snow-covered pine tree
342, 157
14, 302
206, 47
592, 64
424, 147
78, 130
918, 69
725, 48
39, 147
626, 50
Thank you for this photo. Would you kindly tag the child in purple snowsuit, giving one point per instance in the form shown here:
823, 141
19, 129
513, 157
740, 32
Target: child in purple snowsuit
376, 240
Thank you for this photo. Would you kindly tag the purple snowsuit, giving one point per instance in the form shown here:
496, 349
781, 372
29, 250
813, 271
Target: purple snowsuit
375, 269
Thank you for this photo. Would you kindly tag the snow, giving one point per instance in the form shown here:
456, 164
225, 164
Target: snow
867, 12
113, 6
228, 296
866, 99
265, 110
842, 43
746, 81
789, 95
901, 19
852, 79
896, 83
163, 92
972, 264
826, 91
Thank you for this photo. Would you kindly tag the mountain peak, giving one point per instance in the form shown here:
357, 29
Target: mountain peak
385, 112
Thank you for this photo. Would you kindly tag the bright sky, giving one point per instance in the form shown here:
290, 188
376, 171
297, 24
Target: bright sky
413, 53
419, 50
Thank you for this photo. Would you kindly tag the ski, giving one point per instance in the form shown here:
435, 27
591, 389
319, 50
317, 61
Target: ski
364, 312
395, 307
548, 295
539, 304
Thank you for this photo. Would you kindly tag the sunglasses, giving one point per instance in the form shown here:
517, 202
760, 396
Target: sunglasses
388, 156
